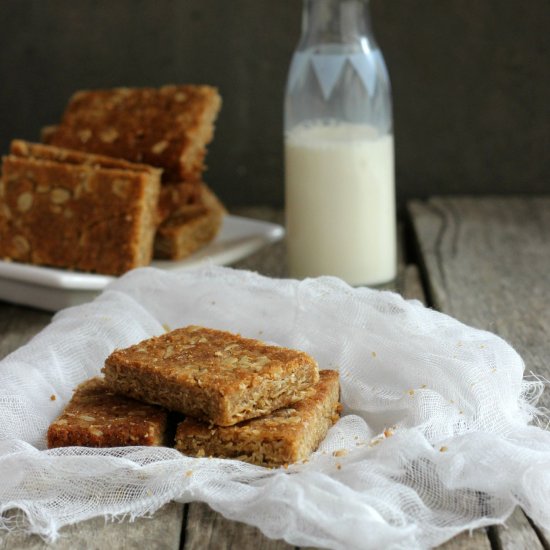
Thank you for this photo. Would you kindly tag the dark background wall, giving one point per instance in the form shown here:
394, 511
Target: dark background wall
470, 77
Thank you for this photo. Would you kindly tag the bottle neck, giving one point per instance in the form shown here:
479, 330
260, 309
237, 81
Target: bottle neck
336, 22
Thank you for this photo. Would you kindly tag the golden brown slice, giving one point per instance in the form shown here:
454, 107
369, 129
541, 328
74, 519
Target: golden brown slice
97, 417
168, 127
190, 228
21, 148
183, 198
175, 199
77, 216
284, 436
211, 374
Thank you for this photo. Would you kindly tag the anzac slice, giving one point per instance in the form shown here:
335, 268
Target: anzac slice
76, 213
21, 148
190, 227
212, 375
167, 127
180, 199
287, 435
97, 417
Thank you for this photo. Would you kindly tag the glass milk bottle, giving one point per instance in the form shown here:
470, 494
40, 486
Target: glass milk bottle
339, 152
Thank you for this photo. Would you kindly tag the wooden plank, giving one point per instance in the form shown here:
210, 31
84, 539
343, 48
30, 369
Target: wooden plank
543, 534
18, 325
486, 262
99, 534
477, 540
208, 529
517, 533
412, 288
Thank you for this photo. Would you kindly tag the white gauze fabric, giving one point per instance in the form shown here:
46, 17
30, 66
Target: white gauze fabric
438, 432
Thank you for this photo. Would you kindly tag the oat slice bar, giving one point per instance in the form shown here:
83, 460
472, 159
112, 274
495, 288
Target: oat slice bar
97, 417
168, 127
211, 374
285, 436
21, 148
190, 228
77, 216
183, 198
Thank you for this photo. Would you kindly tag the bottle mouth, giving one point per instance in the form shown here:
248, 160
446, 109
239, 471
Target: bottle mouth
335, 22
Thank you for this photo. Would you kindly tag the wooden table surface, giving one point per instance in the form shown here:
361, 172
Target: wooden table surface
485, 261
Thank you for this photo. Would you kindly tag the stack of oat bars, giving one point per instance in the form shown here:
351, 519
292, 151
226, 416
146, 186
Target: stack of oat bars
240, 398
118, 182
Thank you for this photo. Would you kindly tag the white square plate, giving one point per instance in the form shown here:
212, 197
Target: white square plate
54, 289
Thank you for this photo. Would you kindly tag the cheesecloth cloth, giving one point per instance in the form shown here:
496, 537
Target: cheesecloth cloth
439, 430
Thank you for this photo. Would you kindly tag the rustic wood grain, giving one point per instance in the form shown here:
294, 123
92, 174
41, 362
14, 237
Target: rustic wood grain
18, 325
517, 534
486, 261
488, 264
543, 534
411, 287
208, 529
477, 540
162, 532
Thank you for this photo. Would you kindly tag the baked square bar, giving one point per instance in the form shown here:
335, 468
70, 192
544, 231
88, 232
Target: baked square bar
190, 228
77, 214
183, 198
21, 148
97, 417
284, 436
167, 127
212, 375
